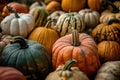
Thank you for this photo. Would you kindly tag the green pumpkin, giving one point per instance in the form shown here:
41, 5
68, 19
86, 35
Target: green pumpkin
66, 21
27, 56
40, 15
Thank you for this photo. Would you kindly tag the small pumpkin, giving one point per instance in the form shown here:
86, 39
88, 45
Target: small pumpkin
79, 46
40, 15
68, 20
108, 51
67, 72
91, 17
17, 24
19, 7
27, 56
1, 17
2, 4
53, 6
107, 31
73, 5
111, 12
109, 71
45, 35
10, 73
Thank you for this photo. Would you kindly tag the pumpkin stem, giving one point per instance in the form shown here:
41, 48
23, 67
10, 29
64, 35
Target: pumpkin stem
75, 38
114, 20
20, 40
115, 9
13, 10
68, 64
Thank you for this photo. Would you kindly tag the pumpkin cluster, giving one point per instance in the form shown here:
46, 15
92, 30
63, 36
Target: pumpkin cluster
60, 40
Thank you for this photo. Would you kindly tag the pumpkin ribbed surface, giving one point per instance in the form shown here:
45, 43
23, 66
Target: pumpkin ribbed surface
67, 21
28, 56
10, 73
40, 15
86, 53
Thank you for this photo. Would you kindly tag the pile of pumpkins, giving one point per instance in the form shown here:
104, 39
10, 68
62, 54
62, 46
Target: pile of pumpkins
60, 40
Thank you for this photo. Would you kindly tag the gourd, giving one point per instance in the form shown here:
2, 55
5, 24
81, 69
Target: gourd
27, 56
17, 24
109, 31
73, 5
10, 73
45, 35
68, 20
79, 46
109, 71
108, 51
19, 7
67, 72
40, 15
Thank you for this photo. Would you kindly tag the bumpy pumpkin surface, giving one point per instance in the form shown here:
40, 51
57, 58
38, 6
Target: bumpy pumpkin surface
84, 50
67, 21
10, 73
18, 24
109, 71
107, 31
27, 56
109, 51
67, 72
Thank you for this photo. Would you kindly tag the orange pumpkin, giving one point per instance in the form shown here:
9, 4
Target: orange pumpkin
20, 8
53, 6
109, 51
77, 46
73, 5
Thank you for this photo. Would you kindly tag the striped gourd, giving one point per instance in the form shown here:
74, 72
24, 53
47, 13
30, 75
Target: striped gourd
67, 21
40, 15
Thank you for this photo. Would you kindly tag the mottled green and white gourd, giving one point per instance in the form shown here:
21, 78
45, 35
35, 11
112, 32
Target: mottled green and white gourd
67, 21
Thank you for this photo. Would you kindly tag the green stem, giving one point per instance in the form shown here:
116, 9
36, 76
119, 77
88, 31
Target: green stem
68, 64
21, 41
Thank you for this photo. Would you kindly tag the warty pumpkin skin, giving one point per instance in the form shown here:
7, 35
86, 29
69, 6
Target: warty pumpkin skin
45, 36
67, 72
67, 21
40, 15
107, 31
108, 51
109, 71
18, 24
28, 56
83, 49
72, 5
91, 17
10, 73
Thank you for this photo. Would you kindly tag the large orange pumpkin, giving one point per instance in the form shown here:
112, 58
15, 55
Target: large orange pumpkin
76, 46
73, 5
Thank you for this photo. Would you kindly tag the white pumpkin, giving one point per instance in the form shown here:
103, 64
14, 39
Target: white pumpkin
18, 24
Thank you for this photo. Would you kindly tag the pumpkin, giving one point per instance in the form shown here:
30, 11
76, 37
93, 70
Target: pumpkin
27, 56
111, 12
19, 7
109, 71
73, 5
40, 15
68, 20
107, 31
79, 46
45, 36
108, 51
10, 73
67, 72
1, 18
4, 40
2, 4
91, 17
53, 6
55, 15
18, 24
